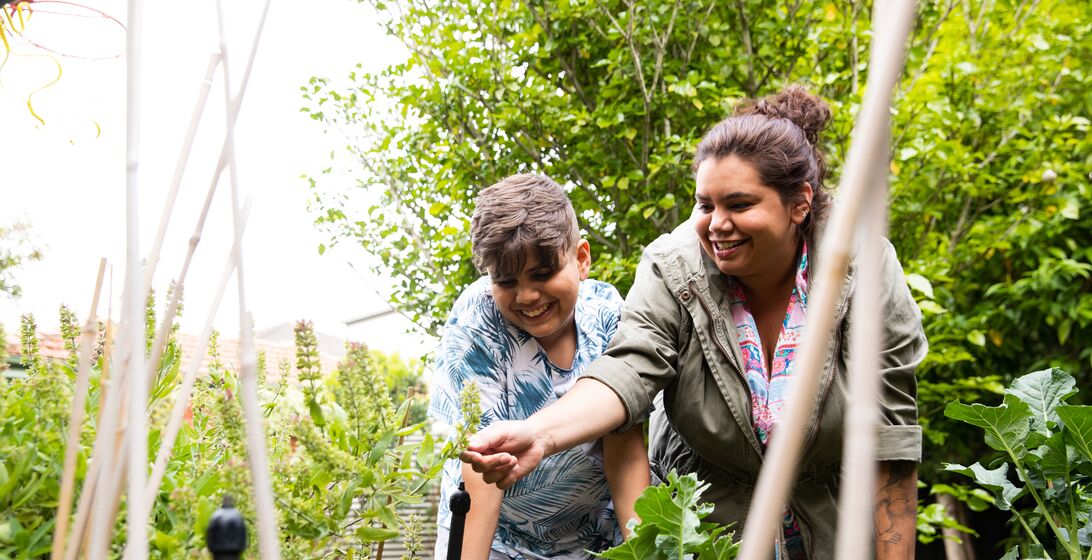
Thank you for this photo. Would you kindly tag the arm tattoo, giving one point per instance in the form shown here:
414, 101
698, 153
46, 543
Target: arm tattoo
895, 510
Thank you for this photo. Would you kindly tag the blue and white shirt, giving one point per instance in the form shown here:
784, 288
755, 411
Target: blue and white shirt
563, 508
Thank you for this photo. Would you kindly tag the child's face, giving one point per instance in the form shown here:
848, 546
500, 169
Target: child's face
542, 301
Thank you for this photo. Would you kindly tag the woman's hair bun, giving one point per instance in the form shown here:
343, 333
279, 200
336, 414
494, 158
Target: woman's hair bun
796, 104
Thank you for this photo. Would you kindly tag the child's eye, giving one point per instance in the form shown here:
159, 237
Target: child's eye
504, 283
540, 276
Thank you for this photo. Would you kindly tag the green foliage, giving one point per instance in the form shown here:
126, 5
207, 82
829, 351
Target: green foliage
337, 489
671, 526
3, 349
16, 249
609, 100
1047, 444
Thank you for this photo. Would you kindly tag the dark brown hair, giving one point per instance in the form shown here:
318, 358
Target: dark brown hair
522, 215
779, 136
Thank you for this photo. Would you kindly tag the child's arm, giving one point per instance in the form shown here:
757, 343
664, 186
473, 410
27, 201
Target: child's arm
625, 462
481, 520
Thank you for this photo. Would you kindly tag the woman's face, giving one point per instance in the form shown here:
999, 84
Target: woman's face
744, 226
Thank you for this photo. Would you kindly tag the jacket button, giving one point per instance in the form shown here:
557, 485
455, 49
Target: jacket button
685, 295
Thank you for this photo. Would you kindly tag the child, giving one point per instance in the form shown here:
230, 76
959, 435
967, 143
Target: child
524, 333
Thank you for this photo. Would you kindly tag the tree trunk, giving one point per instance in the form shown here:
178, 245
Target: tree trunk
957, 546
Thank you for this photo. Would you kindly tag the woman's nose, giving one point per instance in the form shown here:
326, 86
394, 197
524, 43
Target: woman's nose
720, 222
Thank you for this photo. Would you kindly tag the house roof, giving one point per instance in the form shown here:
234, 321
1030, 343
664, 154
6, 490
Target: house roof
51, 347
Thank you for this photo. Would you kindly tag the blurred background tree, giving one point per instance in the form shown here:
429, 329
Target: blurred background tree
17, 247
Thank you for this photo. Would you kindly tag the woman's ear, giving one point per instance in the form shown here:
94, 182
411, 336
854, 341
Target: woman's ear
802, 205
583, 258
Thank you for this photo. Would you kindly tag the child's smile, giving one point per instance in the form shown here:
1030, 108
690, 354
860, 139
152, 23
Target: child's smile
542, 301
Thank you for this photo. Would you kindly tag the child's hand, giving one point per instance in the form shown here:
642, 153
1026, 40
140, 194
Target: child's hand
504, 452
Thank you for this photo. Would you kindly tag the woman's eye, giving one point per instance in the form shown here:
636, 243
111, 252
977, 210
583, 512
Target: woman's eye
740, 206
705, 208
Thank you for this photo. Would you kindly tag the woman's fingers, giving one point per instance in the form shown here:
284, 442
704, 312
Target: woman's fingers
488, 463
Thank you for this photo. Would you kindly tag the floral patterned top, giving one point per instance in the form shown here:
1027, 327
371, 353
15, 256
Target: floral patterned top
769, 388
563, 508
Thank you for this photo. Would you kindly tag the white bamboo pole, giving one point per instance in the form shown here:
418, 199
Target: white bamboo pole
75, 419
778, 473
83, 510
182, 399
268, 540
113, 418
138, 383
859, 468
179, 170
172, 308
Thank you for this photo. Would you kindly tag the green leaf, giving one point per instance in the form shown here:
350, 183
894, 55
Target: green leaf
996, 480
436, 209
369, 533
1078, 427
1056, 459
1007, 426
930, 307
674, 510
637, 547
921, 284
1043, 391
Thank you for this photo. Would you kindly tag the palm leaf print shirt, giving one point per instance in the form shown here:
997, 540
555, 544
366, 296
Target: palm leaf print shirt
563, 508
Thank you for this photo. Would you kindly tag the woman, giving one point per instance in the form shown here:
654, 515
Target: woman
713, 320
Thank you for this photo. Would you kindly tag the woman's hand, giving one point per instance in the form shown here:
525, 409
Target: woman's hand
505, 452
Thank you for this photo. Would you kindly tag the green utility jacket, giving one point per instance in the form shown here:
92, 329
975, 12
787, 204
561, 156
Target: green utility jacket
676, 335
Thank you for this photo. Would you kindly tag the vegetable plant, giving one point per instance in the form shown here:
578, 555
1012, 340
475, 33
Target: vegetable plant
671, 525
1044, 474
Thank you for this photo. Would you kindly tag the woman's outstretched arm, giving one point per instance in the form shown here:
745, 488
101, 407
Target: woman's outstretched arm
505, 452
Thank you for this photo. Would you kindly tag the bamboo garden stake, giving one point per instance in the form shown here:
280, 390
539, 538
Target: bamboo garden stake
268, 540
179, 170
75, 418
859, 467
137, 429
778, 473
153, 257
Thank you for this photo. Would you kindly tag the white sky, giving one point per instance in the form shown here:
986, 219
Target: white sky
71, 185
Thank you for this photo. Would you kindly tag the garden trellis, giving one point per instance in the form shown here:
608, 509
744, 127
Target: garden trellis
120, 450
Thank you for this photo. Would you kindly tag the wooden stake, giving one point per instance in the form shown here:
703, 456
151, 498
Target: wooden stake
777, 476
855, 535
75, 419
113, 420
179, 170
268, 540
195, 238
138, 383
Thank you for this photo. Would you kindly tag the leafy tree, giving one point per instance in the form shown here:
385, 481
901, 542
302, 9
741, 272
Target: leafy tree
16, 248
989, 172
